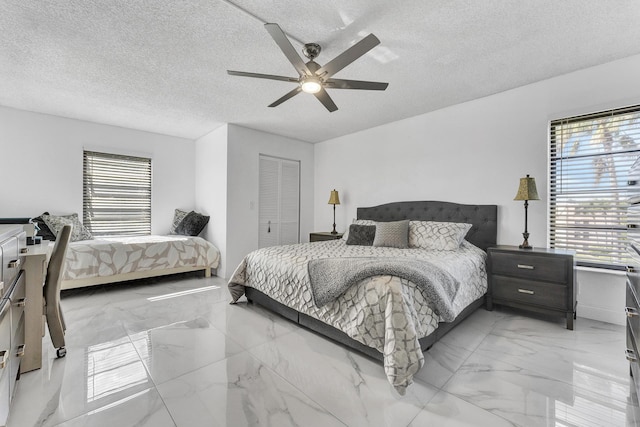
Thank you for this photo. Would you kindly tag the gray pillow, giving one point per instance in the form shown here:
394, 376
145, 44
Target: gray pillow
361, 235
192, 224
393, 234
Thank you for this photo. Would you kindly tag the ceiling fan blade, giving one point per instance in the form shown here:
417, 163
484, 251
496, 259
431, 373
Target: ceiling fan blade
262, 76
289, 95
326, 100
287, 48
355, 84
348, 56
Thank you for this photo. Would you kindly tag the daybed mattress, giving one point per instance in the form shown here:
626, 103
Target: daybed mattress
387, 313
122, 255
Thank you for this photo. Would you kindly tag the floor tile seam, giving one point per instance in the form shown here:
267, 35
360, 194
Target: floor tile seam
535, 370
443, 388
422, 408
538, 374
154, 385
276, 373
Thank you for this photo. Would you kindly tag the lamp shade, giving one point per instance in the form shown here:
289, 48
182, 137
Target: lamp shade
334, 199
527, 189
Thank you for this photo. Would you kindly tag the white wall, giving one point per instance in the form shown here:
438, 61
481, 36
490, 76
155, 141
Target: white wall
41, 164
211, 188
475, 153
244, 147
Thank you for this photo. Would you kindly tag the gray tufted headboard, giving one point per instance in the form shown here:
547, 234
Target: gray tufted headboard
484, 218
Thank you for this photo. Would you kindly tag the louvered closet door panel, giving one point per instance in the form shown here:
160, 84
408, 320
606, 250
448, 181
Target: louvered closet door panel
289, 202
268, 202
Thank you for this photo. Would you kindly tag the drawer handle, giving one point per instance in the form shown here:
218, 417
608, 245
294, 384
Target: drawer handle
13, 264
631, 356
20, 351
632, 225
525, 291
24, 250
20, 303
4, 356
632, 182
525, 266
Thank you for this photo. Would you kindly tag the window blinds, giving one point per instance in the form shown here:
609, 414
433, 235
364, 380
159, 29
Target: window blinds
590, 157
116, 194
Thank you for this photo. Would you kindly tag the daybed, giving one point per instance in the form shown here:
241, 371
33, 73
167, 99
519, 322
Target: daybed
116, 259
385, 316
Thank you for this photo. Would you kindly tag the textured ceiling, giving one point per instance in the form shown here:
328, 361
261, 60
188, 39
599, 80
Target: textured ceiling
160, 65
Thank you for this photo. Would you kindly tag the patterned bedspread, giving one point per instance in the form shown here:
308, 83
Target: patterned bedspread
119, 255
387, 313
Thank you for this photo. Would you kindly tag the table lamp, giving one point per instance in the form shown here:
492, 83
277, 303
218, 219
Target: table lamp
527, 191
334, 200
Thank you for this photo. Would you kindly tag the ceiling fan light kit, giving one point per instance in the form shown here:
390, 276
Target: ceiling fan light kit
313, 78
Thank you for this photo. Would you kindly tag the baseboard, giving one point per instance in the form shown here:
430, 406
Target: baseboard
617, 317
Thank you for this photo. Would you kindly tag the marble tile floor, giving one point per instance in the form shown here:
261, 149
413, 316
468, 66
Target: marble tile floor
173, 352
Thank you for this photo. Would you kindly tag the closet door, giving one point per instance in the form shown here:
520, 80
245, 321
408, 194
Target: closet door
279, 202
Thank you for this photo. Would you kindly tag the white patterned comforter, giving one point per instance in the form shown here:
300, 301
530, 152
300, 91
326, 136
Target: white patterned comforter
387, 313
121, 255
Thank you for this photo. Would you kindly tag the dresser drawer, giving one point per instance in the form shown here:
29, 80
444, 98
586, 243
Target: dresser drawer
549, 269
5, 360
529, 292
632, 311
16, 297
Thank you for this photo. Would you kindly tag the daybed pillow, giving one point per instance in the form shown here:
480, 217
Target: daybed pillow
441, 236
361, 235
78, 231
393, 234
44, 230
178, 216
192, 224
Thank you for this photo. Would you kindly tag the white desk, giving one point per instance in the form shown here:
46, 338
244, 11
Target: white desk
35, 269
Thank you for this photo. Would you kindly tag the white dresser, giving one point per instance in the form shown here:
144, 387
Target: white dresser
12, 320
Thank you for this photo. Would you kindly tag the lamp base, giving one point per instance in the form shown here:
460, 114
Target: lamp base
525, 244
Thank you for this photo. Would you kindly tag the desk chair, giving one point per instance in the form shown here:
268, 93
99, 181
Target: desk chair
52, 285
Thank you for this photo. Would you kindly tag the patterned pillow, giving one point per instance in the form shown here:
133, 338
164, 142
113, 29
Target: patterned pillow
393, 234
361, 235
78, 231
440, 236
178, 216
192, 224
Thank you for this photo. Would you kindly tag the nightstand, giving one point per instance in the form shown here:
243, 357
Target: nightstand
322, 235
538, 279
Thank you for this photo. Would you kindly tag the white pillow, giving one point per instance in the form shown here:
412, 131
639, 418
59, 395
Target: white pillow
440, 236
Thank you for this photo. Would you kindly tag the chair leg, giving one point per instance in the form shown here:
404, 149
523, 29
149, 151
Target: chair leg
64, 325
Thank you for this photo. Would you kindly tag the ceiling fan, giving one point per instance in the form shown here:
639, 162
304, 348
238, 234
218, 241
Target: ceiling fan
314, 78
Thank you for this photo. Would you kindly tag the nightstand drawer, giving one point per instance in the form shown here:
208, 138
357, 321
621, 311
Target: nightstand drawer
548, 269
322, 236
530, 292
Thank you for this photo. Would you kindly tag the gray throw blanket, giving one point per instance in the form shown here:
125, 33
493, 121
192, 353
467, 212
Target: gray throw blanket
331, 277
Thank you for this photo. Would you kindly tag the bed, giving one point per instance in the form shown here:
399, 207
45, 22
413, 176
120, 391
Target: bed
387, 317
117, 259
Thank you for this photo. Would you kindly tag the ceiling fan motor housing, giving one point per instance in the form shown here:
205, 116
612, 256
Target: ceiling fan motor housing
311, 50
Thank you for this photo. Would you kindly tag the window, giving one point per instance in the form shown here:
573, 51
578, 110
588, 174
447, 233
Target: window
590, 158
117, 194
